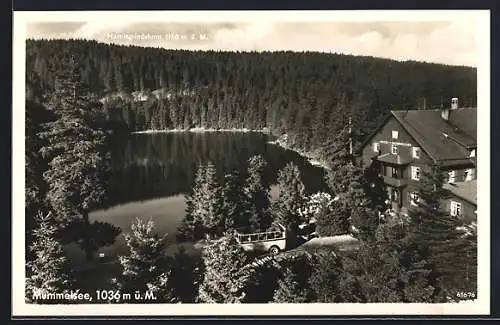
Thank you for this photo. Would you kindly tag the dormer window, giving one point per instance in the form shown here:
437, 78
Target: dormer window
395, 134
451, 176
376, 147
469, 174
416, 152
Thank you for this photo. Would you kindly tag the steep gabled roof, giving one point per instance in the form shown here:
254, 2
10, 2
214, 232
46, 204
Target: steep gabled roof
465, 190
442, 140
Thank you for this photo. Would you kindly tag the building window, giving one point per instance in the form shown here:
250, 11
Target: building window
451, 176
415, 173
414, 198
416, 152
395, 172
376, 147
395, 134
472, 153
394, 149
469, 174
455, 209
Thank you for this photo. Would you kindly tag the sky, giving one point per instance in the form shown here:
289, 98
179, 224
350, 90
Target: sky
450, 42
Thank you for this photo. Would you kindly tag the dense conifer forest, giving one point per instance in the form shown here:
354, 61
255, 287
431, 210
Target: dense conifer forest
304, 95
81, 93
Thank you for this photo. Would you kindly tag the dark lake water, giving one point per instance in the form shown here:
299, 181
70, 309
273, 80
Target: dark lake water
153, 172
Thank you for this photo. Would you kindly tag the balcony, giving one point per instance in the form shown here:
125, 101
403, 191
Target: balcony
390, 159
395, 182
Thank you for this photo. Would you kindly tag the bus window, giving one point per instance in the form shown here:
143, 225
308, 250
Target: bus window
262, 236
253, 237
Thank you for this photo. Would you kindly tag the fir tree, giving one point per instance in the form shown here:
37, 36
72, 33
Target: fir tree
186, 276
204, 207
347, 181
235, 201
291, 197
192, 226
293, 285
436, 233
78, 164
375, 188
145, 268
329, 282
226, 278
49, 271
376, 273
338, 156
214, 220
290, 290
332, 219
257, 191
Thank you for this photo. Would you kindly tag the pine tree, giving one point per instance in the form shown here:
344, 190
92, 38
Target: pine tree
235, 201
293, 284
226, 278
435, 232
192, 226
257, 190
214, 220
329, 282
338, 155
145, 268
76, 150
186, 276
49, 271
375, 188
204, 207
291, 196
332, 219
290, 290
34, 166
377, 274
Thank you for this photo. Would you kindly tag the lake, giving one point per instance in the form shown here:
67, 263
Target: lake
151, 173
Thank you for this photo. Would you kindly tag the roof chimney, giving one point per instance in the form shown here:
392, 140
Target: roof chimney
454, 103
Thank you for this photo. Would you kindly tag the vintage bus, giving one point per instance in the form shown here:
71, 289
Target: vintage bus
272, 240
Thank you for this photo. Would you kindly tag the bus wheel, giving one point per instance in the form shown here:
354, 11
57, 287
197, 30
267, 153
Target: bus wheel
274, 250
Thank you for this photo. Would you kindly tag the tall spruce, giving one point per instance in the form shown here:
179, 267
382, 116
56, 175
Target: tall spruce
192, 226
214, 220
293, 285
332, 219
76, 150
292, 196
145, 268
257, 191
226, 278
49, 272
186, 276
235, 201
347, 181
436, 233
330, 283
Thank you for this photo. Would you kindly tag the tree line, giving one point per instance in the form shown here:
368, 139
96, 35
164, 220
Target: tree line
304, 95
424, 258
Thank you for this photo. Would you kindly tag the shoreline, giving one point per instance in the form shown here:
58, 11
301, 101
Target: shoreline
199, 130
311, 159
280, 143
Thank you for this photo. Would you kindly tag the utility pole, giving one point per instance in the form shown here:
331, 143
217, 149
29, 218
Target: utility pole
350, 135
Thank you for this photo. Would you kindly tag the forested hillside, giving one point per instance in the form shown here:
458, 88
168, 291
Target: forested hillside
305, 95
